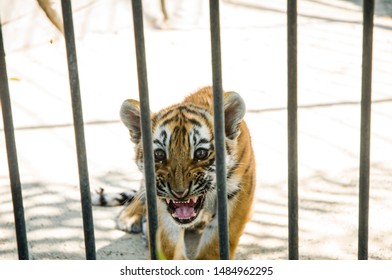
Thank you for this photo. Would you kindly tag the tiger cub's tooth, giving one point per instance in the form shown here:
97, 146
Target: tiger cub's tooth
167, 200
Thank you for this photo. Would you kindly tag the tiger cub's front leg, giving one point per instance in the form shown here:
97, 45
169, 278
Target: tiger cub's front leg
171, 246
132, 217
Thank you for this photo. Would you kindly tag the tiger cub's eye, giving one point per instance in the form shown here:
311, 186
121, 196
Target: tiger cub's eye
201, 154
159, 155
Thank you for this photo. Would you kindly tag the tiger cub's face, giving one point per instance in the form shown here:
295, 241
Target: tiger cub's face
184, 160
183, 147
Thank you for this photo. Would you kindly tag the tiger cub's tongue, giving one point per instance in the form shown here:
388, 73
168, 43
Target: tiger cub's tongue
184, 212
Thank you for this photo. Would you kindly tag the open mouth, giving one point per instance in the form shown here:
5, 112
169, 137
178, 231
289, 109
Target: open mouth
185, 211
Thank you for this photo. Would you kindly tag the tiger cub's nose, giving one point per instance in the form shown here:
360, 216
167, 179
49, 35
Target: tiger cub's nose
180, 194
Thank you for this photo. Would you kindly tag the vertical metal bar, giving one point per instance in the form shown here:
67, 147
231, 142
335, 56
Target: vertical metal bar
219, 128
88, 225
292, 128
16, 190
364, 167
149, 165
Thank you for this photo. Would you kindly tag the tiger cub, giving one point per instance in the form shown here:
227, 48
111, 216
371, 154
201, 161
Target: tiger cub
183, 145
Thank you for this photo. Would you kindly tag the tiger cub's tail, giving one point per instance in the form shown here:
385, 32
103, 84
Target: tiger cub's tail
100, 198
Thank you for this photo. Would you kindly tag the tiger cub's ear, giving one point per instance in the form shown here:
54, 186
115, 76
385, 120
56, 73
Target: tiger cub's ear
130, 116
234, 111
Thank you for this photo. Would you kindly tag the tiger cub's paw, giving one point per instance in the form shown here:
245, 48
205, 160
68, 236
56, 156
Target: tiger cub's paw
132, 224
131, 218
